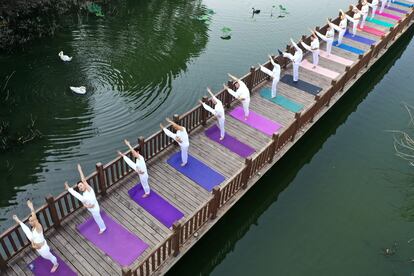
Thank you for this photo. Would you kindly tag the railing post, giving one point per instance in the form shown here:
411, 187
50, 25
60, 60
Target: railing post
252, 77
141, 143
297, 125
317, 97
126, 271
275, 138
53, 212
203, 112
331, 92
3, 264
215, 203
176, 238
101, 178
246, 172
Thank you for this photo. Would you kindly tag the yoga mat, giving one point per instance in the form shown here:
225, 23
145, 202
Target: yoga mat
380, 22
337, 59
280, 100
117, 242
372, 31
302, 85
256, 121
229, 142
42, 267
403, 4
395, 17
359, 38
319, 69
154, 204
197, 171
397, 10
349, 48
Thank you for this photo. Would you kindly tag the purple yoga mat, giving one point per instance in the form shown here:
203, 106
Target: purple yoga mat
229, 142
396, 10
117, 242
197, 171
158, 207
42, 267
256, 121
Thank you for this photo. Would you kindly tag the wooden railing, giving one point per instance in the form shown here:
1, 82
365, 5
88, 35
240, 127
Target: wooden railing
60, 208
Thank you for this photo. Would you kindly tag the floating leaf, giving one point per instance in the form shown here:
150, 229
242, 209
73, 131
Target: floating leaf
282, 8
203, 17
211, 11
226, 30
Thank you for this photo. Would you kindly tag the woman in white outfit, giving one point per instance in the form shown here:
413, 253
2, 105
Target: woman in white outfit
364, 12
181, 137
373, 5
274, 74
139, 166
389, 2
88, 199
218, 112
35, 236
242, 94
341, 28
383, 4
328, 38
314, 48
355, 19
295, 58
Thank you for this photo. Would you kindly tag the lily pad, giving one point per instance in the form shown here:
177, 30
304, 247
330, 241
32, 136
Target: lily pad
226, 30
211, 11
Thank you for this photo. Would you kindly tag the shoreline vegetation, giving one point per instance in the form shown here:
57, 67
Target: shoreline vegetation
22, 21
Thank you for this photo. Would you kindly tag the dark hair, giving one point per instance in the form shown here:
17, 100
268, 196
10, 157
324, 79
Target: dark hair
79, 182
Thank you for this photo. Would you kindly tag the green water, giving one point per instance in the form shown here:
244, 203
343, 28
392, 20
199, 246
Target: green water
327, 208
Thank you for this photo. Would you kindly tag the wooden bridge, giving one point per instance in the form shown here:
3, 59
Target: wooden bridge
201, 208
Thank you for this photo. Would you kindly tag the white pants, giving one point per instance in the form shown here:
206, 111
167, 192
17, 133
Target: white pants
374, 10
98, 219
296, 71
383, 3
329, 42
44, 251
246, 103
363, 18
354, 27
143, 178
315, 57
220, 122
184, 154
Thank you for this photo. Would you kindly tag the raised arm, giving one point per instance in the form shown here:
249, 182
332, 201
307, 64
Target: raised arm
36, 225
272, 61
176, 126
83, 179
295, 45
133, 151
211, 94
306, 46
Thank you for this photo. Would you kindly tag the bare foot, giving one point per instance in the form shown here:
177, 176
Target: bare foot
245, 118
54, 268
221, 138
145, 195
102, 231
183, 164
314, 67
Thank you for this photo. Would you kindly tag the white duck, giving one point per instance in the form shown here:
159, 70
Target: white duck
64, 57
78, 90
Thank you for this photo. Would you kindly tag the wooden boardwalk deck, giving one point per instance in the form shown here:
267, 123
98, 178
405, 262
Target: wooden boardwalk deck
199, 206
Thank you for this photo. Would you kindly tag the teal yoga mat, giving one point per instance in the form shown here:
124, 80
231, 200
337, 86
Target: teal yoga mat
380, 22
280, 100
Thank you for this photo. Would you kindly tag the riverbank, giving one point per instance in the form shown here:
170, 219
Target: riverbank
24, 21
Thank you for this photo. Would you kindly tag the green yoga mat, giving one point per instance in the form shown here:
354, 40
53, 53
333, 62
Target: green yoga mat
280, 100
380, 22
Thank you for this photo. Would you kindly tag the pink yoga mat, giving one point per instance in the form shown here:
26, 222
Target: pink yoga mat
320, 70
392, 16
336, 59
372, 31
256, 121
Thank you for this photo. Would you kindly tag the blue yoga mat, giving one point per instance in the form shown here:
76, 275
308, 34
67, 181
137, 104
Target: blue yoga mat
266, 93
349, 48
360, 39
197, 171
302, 85
404, 4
